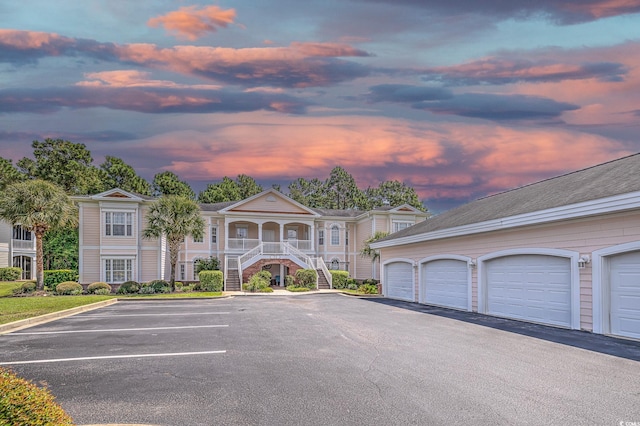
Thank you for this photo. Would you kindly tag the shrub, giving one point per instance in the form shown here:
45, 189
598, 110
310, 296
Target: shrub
339, 278
210, 264
158, 285
258, 281
306, 278
370, 281
23, 403
211, 280
352, 284
129, 287
10, 274
368, 289
147, 289
265, 290
295, 289
93, 287
289, 280
26, 287
56, 276
178, 284
102, 291
69, 287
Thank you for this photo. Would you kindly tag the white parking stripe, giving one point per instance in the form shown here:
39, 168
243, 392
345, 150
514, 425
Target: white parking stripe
42, 361
105, 330
146, 315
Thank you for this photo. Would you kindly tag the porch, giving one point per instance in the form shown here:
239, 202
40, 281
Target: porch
242, 236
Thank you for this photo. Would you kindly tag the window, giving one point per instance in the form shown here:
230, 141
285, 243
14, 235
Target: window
292, 234
321, 237
118, 270
19, 233
214, 235
398, 226
118, 224
334, 265
242, 231
182, 272
346, 237
335, 235
199, 239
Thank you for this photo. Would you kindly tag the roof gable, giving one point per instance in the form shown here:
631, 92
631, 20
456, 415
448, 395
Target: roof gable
117, 194
269, 201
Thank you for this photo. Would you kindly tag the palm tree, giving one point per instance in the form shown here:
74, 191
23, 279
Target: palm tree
174, 217
38, 206
367, 251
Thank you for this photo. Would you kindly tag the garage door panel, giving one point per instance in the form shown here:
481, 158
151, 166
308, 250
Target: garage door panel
625, 294
445, 282
400, 281
530, 287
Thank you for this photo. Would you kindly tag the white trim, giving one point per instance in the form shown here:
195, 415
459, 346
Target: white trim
413, 275
600, 285
613, 204
465, 259
274, 192
573, 256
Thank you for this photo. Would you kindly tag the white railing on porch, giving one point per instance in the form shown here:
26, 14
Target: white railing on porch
325, 271
305, 245
23, 244
242, 244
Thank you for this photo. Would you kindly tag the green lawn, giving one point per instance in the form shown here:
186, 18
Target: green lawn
6, 287
18, 308
173, 295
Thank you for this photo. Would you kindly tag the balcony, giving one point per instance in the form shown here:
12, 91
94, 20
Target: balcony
23, 244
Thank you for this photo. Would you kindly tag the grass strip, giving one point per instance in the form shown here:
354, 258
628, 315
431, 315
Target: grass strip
6, 287
19, 308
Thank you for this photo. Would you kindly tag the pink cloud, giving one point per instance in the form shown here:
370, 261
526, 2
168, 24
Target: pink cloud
192, 23
603, 9
134, 78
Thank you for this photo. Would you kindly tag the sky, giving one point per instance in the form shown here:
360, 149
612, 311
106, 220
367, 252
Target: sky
458, 99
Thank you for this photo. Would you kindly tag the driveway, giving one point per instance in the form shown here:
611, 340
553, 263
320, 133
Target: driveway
323, 360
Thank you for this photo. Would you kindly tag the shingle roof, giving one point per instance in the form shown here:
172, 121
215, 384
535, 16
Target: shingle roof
217, 206
604, 180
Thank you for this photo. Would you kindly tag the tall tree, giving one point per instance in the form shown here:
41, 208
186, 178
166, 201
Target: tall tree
367, 251
9, 174
168, 183
64, 163
311, 193
60, 248
393, 193
230, 190
342, 192
118, 174
38, 206
174, 217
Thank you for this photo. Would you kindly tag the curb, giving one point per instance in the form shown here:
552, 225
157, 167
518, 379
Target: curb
30, 322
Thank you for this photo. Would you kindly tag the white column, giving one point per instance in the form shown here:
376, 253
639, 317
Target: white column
281, 275
281, 232
259, 232
312, 236
226, 234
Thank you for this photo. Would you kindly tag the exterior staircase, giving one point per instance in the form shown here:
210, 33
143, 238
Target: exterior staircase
323, 284
233, 281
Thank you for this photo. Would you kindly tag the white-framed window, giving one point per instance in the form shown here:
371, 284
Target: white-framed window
214, 235
19, 233
398, 226
292, 233
182, 271
118, 224
346, 237
334, 264
335, 235
199, 239
320, 237
118, 270
242, 231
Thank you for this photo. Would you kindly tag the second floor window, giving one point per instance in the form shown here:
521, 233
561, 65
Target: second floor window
118, 224
398, 226
335, 235
242, 232
321, 237
19, 233
214, 235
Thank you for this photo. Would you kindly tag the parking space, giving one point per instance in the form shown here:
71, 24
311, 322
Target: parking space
316, 359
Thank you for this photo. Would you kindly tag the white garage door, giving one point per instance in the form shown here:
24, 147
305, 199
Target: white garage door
625, 294
530, 287
399, 281
445, 283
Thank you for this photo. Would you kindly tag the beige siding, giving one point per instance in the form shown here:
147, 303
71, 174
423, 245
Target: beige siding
90, 266
276, 205
90, 224
148, 266
580, 235
364, 231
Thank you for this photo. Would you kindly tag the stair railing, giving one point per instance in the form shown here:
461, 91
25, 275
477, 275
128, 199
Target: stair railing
325, 271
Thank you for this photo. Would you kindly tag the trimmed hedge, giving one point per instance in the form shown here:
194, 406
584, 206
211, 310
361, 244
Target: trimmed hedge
93, 287
159, 285
306, 278
129, 287
368, 289
10, 273
69, 287
56, 276
339, 278
26, 287
211, 280
23, 403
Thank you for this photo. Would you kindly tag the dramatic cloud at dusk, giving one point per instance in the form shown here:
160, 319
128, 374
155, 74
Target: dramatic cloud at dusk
458, 99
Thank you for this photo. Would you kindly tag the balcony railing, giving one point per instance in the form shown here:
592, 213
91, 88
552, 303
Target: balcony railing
245, 244
23, 244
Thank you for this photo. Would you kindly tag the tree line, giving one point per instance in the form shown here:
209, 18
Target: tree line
70, 166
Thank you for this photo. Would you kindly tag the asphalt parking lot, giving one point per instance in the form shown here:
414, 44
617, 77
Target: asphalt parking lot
323, 360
